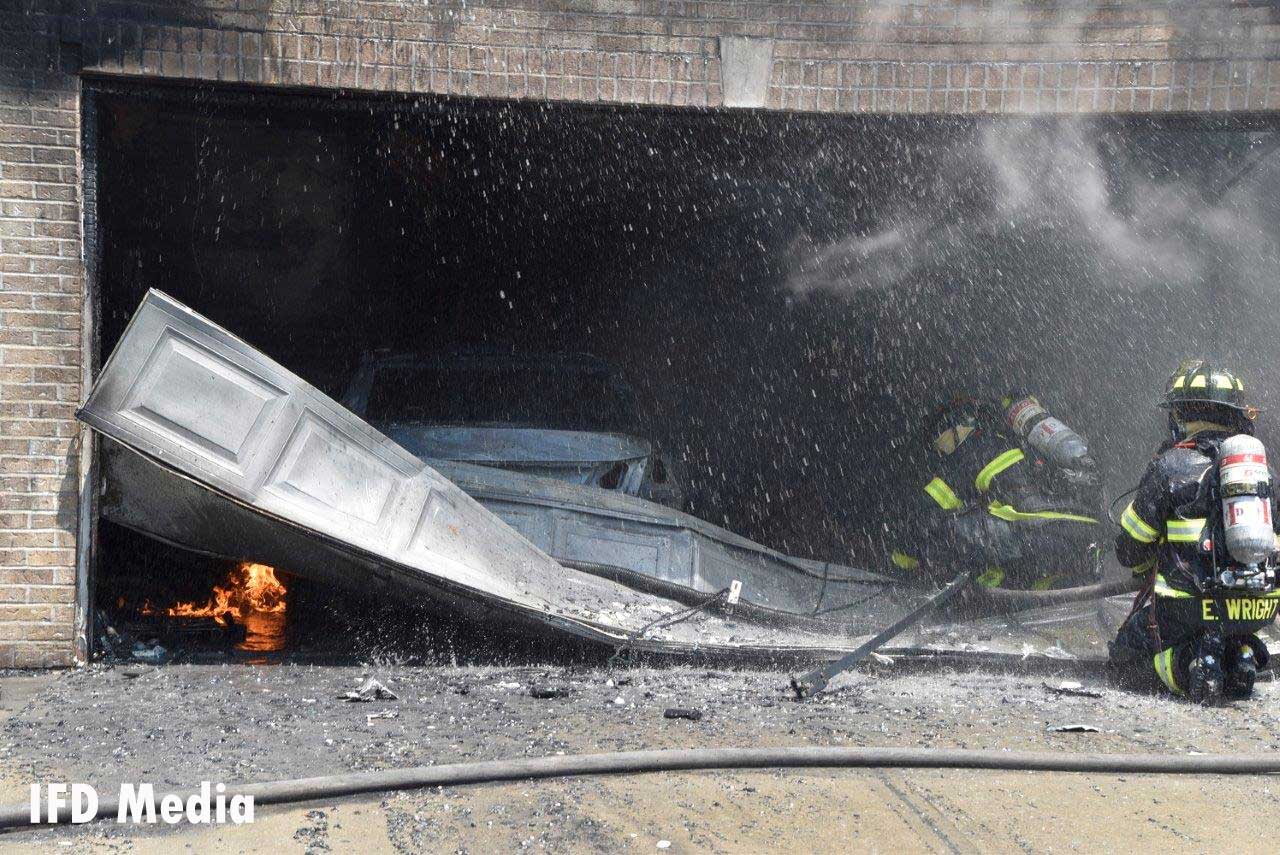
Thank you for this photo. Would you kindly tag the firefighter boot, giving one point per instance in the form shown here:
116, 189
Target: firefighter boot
1204, 671
1242, 668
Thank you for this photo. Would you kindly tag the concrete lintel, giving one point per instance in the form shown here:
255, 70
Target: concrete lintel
745, 66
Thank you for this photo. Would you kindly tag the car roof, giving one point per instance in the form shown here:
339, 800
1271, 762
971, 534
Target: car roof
482, 356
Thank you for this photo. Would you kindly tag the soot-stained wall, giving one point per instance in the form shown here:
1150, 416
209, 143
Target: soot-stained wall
789, 297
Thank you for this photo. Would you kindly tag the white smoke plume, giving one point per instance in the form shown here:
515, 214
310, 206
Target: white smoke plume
1064, 189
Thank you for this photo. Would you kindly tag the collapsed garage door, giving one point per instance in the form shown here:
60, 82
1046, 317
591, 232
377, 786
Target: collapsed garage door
783, 298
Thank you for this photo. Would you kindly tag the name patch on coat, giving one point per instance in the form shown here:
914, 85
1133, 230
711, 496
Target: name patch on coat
1240, 608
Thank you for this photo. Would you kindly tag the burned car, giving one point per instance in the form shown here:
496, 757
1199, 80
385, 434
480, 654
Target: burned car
570, 417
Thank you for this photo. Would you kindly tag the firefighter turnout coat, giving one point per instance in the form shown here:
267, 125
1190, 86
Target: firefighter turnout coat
991, 501
1167, 531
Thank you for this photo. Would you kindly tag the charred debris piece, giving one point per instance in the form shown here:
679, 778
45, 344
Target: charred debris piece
155, 639
1072, 689
1073, 728
682, 712
369, 690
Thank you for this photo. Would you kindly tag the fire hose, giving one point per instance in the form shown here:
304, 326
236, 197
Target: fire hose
691, 759
1013, 600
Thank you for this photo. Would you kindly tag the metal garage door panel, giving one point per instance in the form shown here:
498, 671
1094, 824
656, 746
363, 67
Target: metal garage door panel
182, 382
323, 471
183, 390
648, 552
241, 442
532, 521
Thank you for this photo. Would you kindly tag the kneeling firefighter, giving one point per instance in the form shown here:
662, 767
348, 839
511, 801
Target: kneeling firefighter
1201, 527
1011, 488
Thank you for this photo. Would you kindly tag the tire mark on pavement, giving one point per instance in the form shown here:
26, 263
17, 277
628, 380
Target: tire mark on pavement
921, 815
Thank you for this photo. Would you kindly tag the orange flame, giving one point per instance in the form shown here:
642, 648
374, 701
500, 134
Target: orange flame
250, 589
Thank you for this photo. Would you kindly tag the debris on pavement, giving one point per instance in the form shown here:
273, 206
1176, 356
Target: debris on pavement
370, 690
1072, 688
372, 717
143, 653
681, 712
219, 705
1073, 728
544, 692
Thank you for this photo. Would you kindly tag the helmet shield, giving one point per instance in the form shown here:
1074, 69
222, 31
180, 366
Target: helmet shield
952, 438
953, 422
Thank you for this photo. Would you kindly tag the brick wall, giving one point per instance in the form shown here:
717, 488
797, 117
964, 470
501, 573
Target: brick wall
40, 304
997, 56
992, 56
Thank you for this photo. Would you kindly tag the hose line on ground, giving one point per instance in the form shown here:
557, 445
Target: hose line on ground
631, 762
1008, 598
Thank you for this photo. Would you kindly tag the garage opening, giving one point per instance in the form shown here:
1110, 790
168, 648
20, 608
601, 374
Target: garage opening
768, 306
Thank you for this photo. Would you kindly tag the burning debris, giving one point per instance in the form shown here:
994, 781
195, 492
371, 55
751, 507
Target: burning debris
246, 611
250, 589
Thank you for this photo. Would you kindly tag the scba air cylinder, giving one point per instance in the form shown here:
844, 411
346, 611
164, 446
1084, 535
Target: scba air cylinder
1245, 483
1050, 438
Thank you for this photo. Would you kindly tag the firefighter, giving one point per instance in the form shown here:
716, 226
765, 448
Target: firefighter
1010, 487
1193, 626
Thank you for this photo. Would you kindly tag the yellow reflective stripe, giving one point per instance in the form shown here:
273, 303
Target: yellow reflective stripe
1200, 381
943, 495
1162, 589
903, 561
1163, 662
1006, 512
995, 467
991, 577
1145, 567
1136, 527
1184, 531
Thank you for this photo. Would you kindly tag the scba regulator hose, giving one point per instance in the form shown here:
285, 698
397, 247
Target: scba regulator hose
631, 762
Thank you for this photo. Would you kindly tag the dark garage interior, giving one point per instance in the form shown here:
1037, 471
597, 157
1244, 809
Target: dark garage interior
787, 297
